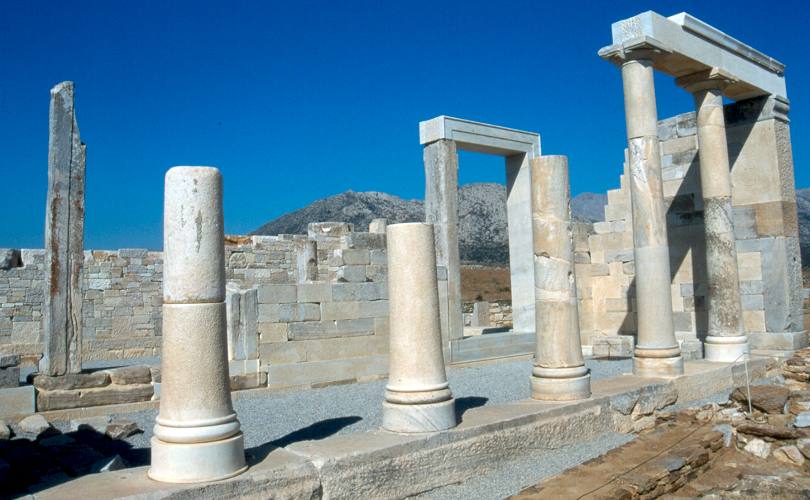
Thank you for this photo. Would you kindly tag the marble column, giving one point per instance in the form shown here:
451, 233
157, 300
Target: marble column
559, 371
418, 397
197, 436
306, 260
657, 353
725, 340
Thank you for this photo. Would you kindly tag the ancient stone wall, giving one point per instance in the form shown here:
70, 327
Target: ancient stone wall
340, 315
765, 228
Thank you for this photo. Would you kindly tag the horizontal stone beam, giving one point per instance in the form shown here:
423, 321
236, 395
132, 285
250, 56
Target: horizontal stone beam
479, 137
683, 45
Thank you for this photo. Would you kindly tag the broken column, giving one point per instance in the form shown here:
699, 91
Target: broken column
64, 238
418, 397
197, 435
657, 353
725, 340
559, 371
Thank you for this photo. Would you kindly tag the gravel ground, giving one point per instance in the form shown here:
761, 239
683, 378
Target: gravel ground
292, 416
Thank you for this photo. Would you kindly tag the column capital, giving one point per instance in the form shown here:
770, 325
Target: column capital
710, 79
642, 48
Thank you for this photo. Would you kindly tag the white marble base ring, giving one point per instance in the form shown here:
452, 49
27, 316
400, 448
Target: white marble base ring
432, 417
197, 462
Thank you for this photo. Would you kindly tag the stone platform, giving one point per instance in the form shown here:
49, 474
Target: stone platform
379, 464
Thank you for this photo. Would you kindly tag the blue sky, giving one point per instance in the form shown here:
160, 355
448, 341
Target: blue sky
295, 101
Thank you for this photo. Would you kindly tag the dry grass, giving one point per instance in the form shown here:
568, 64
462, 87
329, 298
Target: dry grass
485, 283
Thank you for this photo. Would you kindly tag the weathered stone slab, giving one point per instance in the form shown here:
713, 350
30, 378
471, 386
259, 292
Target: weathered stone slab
767, 398
130, 375
64, 235
113, 394
71, 381
16, 401
329, 329
9, 360
9, 258
9, 377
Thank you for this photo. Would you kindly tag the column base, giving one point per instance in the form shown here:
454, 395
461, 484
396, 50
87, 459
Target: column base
658, 367
197, 462
725, 349
431, 417
561, 389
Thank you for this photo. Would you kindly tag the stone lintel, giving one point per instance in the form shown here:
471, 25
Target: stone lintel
688, 45
479, 137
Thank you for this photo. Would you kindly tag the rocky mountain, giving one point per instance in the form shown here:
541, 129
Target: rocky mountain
482, 216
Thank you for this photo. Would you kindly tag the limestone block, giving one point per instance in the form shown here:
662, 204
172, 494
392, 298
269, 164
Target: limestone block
130, 375
9, 360
277, 294
342, 292
353, 310
750, 266
754, 321
17, 401
363, 240
355, 256
602, 227
71, 381
351, 274
314, 292
753, 302
112, 394
10, 258
283, 353
9, 377
331, 329
285, 313
328, 229
306, 260
194, 263
377, 226
616, 212
272, 332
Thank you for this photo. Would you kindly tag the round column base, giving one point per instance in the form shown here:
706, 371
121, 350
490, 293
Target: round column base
725, 349
561, 389
197, 462
431, 417
658, 367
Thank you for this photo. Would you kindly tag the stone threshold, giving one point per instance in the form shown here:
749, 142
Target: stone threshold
380, 464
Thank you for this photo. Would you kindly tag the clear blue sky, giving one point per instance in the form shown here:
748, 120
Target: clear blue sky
295, 101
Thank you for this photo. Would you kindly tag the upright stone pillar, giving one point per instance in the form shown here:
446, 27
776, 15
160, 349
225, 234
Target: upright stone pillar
657, 353
64, 237
559, 371
197, 435
418, 397
306, 260
441, 210
726, 340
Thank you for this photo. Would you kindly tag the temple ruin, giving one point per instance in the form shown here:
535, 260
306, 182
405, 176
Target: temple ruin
695, 273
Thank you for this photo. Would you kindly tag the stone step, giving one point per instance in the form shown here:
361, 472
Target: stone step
658, 462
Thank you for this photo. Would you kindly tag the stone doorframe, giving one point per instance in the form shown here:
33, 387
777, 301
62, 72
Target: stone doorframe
441, 137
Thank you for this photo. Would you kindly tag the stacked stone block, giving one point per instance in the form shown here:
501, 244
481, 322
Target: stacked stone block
765, 227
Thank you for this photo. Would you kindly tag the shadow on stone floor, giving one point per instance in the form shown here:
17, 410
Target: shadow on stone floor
31, 463
313, 432
468, 403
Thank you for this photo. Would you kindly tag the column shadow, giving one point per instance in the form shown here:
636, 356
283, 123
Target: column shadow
319, 430
468, 403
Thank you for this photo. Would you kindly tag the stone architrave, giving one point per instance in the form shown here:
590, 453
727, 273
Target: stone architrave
657, 353
64, 236
559, 371
418, 397
197, 435
725, 340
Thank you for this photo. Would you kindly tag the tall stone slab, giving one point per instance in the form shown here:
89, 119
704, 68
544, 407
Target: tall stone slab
64, 237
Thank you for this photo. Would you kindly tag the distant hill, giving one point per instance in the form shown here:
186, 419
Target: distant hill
483, 235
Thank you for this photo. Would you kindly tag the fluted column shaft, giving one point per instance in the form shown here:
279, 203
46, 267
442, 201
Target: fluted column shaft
657, 352
725, 339
559, 371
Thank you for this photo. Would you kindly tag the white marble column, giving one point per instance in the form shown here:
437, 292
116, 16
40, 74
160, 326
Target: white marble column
197, 435
559, 371
418, 397
657, 353
725, 340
